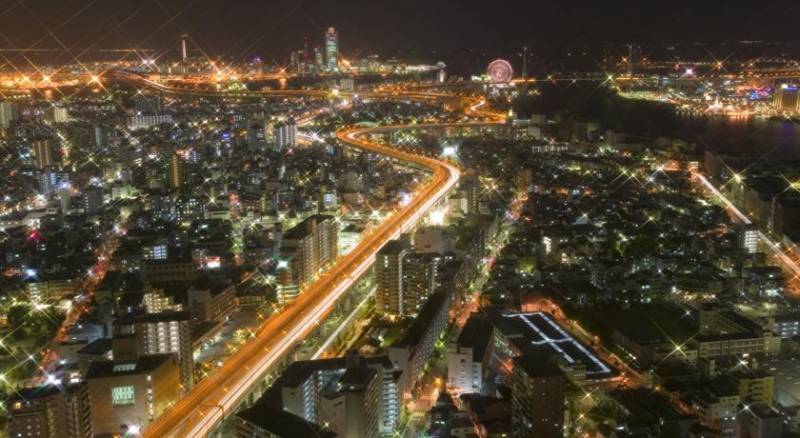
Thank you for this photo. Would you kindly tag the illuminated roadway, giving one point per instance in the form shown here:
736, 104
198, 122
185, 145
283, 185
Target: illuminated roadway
199, 411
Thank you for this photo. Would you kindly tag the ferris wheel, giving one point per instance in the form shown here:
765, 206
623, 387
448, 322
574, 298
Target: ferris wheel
500, 71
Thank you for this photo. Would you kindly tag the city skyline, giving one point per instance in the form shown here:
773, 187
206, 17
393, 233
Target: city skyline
439, 30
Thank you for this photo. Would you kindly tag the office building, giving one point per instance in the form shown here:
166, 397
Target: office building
538, 392
389, 278
331, 50
126, 395
52, 411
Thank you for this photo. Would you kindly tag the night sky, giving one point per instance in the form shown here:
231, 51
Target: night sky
427, 29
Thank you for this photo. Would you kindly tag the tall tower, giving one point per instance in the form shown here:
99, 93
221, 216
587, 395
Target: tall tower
630, 60
184, 48
524, 62
331, 49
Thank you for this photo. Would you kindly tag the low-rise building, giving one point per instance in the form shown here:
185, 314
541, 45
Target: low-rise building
127, 395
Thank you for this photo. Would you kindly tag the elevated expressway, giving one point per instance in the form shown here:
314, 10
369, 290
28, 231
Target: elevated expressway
203, 408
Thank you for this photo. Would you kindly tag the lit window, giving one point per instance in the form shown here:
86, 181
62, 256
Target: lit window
122, 395
122, 367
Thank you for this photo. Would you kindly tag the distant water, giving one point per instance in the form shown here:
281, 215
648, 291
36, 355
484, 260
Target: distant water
747, 136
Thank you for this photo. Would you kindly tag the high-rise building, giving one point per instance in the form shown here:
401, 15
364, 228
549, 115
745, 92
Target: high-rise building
538, 390
126, 395
389, 278
184, 47
747, 238
175, 171
419, 280
331, 50
92, 199
319, 59
50, 180
352, 396
42, 151
305, 250
785, 98
162, 333
472, 191
350, 409
286, 134
49, 411
8, 113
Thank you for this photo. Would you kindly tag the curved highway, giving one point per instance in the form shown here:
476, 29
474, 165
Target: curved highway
200, 410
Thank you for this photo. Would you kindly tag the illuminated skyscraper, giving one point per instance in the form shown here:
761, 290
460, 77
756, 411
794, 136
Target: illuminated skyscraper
184, 48
331, 50
176, 171
319, 61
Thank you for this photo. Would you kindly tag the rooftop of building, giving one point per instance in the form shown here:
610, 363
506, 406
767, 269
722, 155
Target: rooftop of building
392, 247
537, 334
535, 367
476, 334
112, 368
97, 347
144, 318
356, 378
426, 315
281, 423
303, 229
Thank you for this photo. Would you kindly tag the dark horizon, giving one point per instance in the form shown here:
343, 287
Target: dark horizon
461, 34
